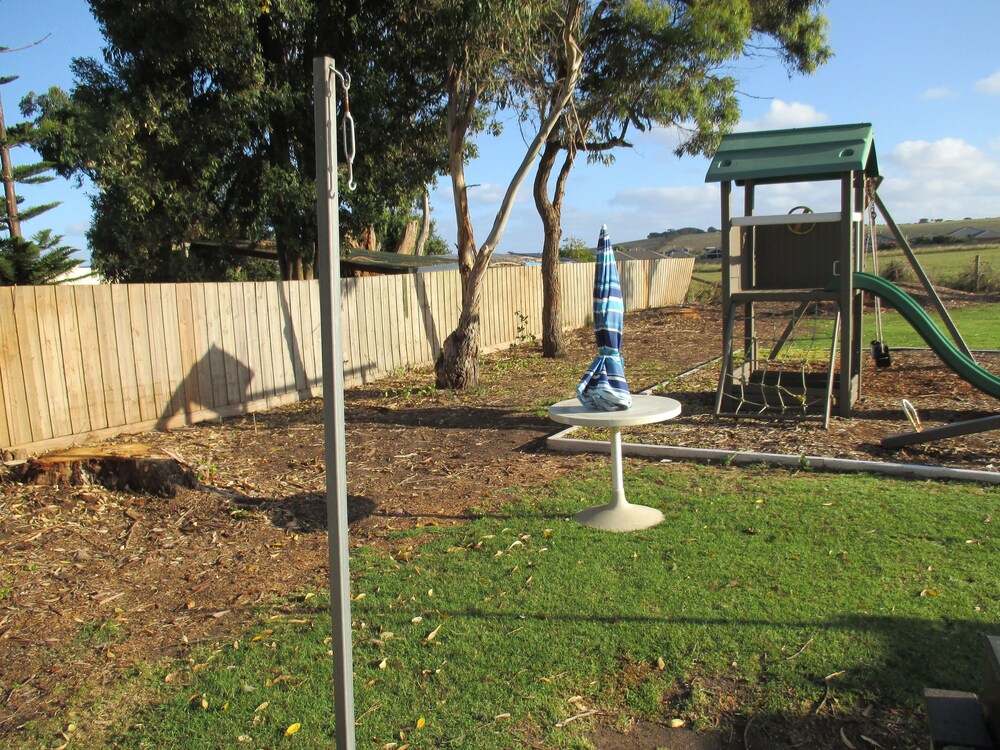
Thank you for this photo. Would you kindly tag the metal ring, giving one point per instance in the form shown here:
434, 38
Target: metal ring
801, 229
911, 415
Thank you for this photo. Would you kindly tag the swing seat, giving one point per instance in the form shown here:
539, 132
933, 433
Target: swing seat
881, 354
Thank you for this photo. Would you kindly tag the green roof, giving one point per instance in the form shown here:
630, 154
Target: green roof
796, 155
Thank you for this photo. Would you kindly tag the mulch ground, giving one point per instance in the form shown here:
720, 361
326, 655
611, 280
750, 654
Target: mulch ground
95, 582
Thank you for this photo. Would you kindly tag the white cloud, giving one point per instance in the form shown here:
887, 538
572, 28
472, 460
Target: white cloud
670, 136
989, 85
785, 115
939, 92
947, 178
634, 213
781, 198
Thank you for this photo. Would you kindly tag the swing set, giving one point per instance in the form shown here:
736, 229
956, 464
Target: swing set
793, 284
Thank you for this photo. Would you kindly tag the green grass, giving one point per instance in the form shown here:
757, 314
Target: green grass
811, 339
977, 324
498, 631
943, 264
946, 261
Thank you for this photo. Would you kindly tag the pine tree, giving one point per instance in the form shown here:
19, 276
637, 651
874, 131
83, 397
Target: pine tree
40, 259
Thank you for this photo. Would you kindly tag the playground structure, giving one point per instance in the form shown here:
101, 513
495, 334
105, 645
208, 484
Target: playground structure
793, 284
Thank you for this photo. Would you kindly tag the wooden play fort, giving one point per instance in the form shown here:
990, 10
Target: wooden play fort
792, 283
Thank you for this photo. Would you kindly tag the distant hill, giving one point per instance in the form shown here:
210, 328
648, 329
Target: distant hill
698, 239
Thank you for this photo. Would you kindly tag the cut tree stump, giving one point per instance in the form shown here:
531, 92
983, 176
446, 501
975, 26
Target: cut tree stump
130, 466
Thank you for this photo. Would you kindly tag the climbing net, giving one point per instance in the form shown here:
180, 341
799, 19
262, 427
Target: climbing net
780, 358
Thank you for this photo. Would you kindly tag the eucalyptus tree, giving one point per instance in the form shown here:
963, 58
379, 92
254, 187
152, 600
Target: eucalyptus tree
490, 47
656, 63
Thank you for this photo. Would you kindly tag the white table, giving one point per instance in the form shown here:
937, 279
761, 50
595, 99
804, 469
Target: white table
618, 514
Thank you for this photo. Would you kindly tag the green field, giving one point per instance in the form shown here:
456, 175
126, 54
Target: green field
915, 233
945, 266
977, 324
945, 263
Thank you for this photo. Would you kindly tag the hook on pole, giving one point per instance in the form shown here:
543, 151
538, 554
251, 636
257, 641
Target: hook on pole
348, 127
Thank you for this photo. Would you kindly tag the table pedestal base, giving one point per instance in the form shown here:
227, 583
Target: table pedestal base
619, 517
619, 514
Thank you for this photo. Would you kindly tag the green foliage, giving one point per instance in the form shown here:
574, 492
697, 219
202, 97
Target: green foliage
896, 271
40, 260
435, 244
198, 125
977, 277
574, 248
523, 336
666, 63
649, 63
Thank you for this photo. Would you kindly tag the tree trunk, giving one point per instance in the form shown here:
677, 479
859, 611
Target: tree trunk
130, 466
367, 240
10, 194
425, 228
457, 365
408, 242
552, 338
550, 212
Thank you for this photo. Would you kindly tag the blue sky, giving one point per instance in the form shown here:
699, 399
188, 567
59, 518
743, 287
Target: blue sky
925, 74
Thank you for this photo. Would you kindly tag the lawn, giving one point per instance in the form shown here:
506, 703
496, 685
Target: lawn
801, 602
944, 264
976, 323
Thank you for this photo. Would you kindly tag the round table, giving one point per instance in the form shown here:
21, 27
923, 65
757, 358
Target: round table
618, 514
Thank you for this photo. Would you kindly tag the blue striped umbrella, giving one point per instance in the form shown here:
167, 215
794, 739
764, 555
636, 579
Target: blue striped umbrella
603, 386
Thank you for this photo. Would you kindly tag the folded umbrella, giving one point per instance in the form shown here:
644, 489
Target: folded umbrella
603, 386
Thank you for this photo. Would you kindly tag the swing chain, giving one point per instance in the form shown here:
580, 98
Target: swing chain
882, 353
348, 127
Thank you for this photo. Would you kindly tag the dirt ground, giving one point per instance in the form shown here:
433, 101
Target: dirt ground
95, 582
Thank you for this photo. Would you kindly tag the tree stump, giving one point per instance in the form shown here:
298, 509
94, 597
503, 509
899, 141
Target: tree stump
130, 466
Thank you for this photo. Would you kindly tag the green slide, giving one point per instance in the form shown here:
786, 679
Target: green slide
939, 343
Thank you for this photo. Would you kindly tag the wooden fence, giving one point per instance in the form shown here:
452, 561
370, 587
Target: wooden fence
81, 363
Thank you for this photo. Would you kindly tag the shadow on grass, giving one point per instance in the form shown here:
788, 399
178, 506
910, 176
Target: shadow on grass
887, 686
913, 653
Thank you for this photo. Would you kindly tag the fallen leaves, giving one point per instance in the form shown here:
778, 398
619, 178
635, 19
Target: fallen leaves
432, 635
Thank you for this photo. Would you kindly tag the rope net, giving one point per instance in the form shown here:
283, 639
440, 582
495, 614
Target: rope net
785, 366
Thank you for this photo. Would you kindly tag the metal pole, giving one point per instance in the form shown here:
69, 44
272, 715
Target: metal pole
328, 257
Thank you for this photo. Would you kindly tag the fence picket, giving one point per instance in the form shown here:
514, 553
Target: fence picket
15, 397
74, 371
29, 345
53, 366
